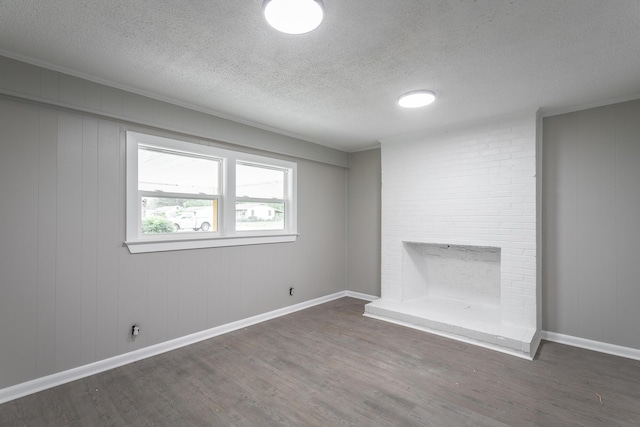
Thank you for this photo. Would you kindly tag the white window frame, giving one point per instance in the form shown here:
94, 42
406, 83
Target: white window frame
226, 235
257, 162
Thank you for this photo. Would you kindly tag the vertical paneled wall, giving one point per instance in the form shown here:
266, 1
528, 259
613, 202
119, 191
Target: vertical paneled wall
20, 275
591, 224
70, 290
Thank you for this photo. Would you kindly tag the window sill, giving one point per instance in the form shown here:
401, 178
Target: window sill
145, 246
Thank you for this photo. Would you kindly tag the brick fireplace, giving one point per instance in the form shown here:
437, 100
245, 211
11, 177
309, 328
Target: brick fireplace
459, 231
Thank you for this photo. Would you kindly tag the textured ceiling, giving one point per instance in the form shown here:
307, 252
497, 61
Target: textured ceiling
338, 85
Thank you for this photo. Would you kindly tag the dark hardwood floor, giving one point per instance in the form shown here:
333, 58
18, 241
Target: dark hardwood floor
330, 366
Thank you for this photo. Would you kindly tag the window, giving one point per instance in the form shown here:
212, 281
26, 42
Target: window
183, 195
178, 191
260, 197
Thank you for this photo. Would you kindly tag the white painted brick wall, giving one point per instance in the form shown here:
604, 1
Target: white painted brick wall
473, 187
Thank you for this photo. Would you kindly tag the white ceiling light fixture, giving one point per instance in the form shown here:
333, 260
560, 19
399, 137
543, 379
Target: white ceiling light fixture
417, 99
293, 16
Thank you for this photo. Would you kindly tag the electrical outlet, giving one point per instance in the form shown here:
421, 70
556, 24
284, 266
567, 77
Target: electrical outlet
291, 291
135, 330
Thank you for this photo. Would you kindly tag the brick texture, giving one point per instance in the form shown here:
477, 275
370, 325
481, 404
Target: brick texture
473, 187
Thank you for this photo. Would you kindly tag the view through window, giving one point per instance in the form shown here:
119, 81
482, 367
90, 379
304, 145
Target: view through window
260, 197
179, 191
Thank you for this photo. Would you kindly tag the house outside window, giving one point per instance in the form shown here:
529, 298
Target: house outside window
260, 193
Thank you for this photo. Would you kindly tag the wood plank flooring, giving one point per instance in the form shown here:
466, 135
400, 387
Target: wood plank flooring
330, 366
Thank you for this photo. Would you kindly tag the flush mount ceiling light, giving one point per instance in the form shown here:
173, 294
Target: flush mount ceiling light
293, 16
416, 99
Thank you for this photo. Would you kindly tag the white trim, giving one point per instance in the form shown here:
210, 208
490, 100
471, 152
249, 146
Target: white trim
602, 347
557, 111
361, 296
144, 246
23, 389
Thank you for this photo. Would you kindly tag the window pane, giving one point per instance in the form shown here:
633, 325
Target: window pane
177, 172
259, 216
259, 182
162, 215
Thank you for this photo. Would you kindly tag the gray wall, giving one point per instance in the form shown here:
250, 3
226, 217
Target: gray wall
69, 290
363, 226
591, 224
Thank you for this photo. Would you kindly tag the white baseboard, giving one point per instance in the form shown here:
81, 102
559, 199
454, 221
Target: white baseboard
53, 380
616, 350
59, 378
361, 296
